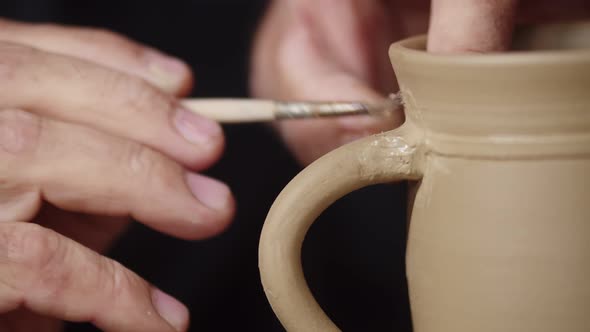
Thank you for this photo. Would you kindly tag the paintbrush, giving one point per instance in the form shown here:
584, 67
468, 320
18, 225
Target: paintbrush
236, 110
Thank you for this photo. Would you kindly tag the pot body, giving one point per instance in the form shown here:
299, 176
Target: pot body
499, 237
501, 245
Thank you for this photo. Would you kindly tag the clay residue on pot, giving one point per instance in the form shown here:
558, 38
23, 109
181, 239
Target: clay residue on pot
385, 152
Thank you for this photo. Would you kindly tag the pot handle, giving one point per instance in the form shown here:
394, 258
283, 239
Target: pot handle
387, 157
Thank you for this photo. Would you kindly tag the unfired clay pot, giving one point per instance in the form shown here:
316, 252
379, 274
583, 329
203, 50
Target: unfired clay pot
497, 149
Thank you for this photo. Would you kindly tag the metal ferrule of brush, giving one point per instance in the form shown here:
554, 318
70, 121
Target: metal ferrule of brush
295, 110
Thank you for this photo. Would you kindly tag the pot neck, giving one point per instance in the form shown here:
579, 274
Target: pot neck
527, 102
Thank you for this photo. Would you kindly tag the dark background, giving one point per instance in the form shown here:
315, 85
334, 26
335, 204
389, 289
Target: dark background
353, 256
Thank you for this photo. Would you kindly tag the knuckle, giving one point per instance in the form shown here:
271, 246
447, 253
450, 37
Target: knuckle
34, 247
135, 95
148, 165
13, 57
140, 159
102, 35
20, 132
118, 280
99, 36
41, 254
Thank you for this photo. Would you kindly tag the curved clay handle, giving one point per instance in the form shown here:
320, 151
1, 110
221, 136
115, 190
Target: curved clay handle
387, 157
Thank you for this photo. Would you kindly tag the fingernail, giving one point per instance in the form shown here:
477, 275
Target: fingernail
214, 194
167, 71
172, 311
196, 128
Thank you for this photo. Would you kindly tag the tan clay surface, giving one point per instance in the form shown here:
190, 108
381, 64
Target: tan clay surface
499, 237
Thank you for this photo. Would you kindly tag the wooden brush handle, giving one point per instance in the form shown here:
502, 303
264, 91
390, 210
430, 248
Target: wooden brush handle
232, 110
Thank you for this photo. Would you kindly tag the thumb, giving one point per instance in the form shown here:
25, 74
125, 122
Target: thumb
471, 25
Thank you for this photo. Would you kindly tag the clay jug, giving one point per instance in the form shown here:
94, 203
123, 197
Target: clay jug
497, 151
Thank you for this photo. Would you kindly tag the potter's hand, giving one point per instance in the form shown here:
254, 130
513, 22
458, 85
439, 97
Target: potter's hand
324, 50
328, 49
88, 138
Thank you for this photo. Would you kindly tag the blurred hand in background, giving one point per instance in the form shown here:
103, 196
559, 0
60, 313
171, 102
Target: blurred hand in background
337, 50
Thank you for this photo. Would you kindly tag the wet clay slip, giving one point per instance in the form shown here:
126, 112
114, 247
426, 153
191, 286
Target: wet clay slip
497, 151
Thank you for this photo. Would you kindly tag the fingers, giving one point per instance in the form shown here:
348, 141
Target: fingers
298, 57
55, 276
83, 170
105, 48
471, 25
78, 91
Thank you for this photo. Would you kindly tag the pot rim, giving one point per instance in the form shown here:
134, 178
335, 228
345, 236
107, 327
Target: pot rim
414, 49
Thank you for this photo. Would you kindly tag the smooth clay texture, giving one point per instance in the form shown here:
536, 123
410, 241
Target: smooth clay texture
498, 150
